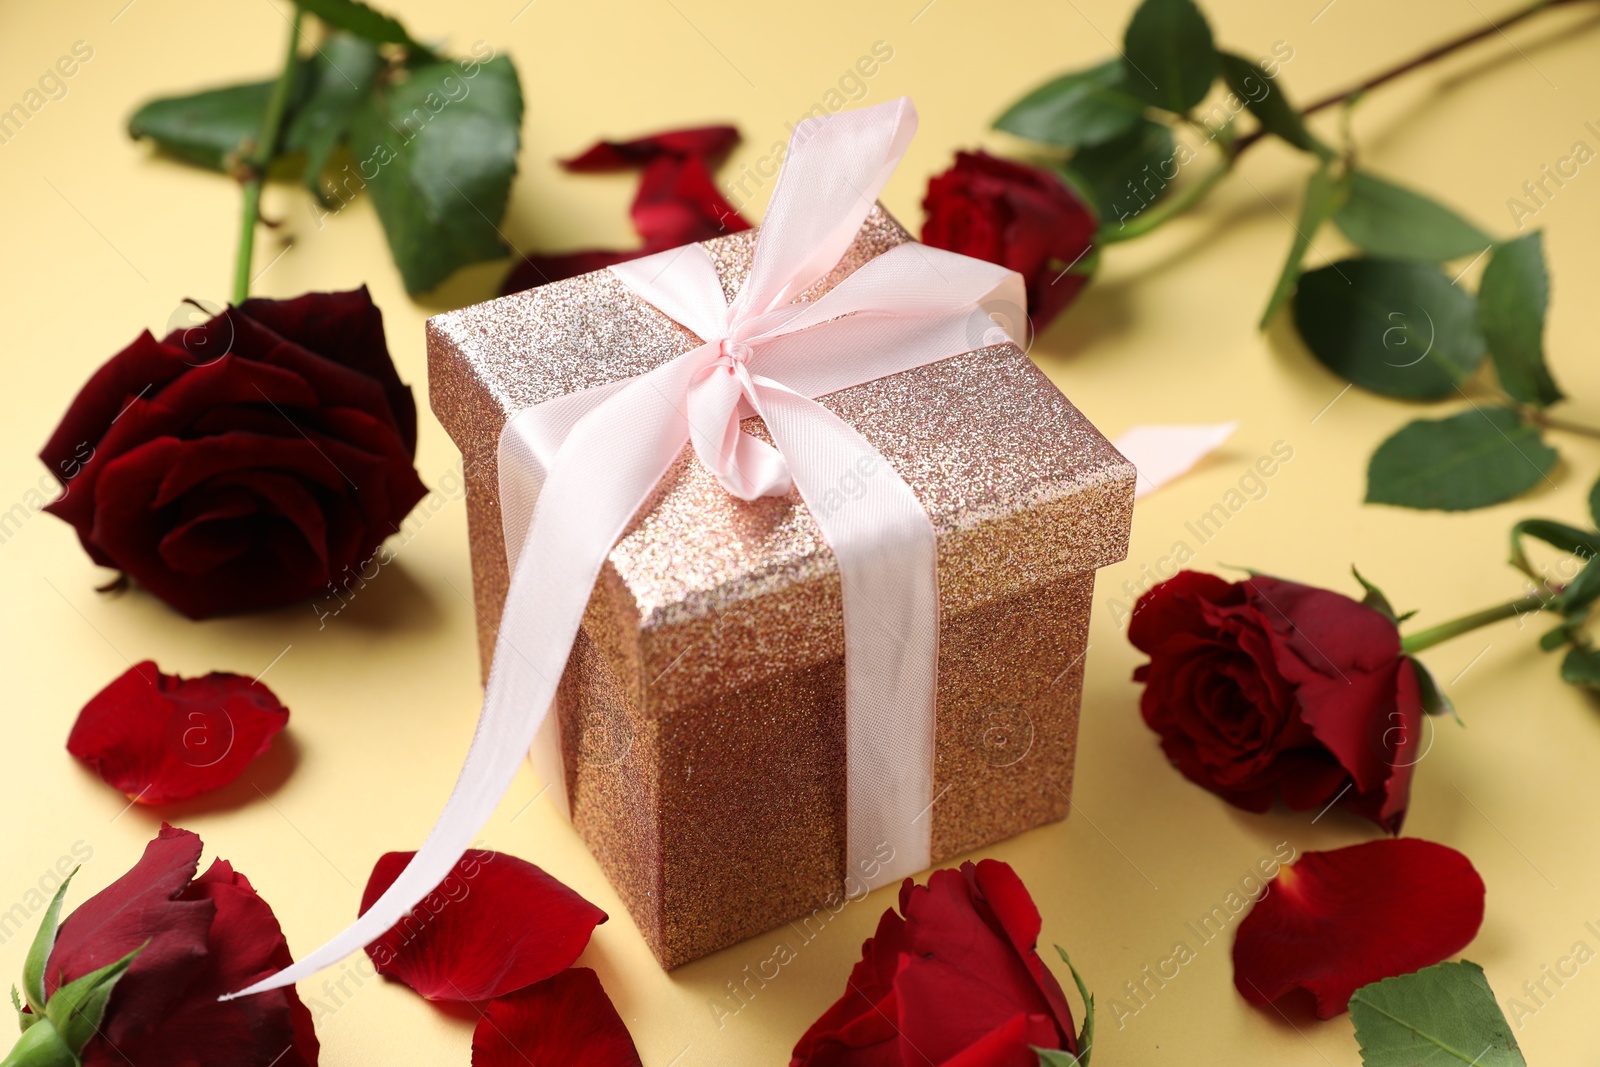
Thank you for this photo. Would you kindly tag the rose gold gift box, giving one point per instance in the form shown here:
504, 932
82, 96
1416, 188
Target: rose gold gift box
702, 710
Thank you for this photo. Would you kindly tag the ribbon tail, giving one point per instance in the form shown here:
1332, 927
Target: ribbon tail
887, 555
606, 469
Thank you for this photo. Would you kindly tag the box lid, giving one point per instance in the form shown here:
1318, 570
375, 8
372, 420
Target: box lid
1020, 487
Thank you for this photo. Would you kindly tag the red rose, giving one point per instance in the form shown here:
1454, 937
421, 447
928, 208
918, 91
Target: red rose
246, 463
1020, 217
1266, 688
202, 937
957, 981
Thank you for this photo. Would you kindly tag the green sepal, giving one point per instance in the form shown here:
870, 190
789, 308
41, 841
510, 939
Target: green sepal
77, 1007
1086, 1032
25, 1019
39, 952
1433, 698
40, 1046
1375, 598
1581, 666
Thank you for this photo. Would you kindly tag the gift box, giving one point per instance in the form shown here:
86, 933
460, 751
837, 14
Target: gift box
702, 708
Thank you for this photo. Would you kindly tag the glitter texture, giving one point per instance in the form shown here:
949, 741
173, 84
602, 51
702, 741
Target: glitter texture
702, 710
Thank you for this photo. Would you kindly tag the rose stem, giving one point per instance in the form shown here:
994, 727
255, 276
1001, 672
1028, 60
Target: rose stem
1433, 635
1191, 196
1416, 62
260, 158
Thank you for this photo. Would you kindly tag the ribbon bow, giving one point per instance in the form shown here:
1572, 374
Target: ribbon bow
575, 470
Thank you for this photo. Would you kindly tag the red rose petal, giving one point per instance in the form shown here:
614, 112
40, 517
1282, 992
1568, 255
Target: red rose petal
1336, 921
496, 924
700, 141
562, 1020
160, 738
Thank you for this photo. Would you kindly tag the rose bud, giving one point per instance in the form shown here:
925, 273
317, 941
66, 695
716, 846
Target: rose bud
1018, 216
1266, 688
134, 976
245, 463
955, 978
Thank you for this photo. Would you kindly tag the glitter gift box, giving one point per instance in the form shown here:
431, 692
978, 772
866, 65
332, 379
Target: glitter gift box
702, 709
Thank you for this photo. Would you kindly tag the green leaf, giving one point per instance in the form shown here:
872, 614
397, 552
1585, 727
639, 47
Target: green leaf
1082, 108
77, 1007
1512, 300
1579, 593
208, 129
1322, 196
1171, 58
1559, 535
442, 148
1086, 1033
1434, 700
1444, 1014
1581, 666
1471, 460
39, 952
361, 20
1261, 93
1551, 640
1398, 223
1124, 176
1400, 329
340, 77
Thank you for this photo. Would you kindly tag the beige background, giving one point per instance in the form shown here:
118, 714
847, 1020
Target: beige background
102, 241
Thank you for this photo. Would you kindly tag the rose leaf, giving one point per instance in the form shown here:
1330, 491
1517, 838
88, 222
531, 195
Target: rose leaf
1260, 93
340, 76
438, 151
1171, 58
1082, 108
1581, 666
1390, 220
1322, 197
363, 21
1438, 1015
1104, 171
1471, 460
1395, 328
209, 128
1512, 300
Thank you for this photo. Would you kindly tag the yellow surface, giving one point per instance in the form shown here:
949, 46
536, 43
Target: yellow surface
101, 241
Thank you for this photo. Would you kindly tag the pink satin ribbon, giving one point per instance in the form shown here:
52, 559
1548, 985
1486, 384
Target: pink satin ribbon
575, 470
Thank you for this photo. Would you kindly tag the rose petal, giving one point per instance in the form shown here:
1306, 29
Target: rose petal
564, 1019
699, 141
160, 738
496, 924
1336, 921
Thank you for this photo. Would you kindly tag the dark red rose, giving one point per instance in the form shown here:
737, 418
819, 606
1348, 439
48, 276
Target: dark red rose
565, 1019
956, 981
1018, 216
677, 203
160, 738
1265, 688
245, 463
202, 937
1336, 921
496, 924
